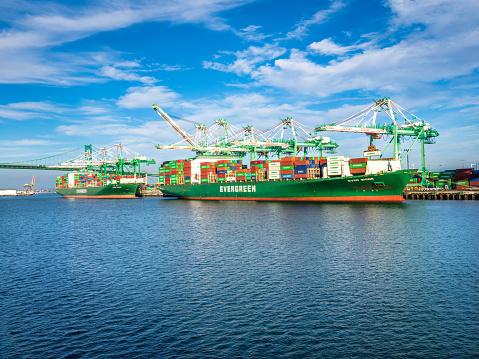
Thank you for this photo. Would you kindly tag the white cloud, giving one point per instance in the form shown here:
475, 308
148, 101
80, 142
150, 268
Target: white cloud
119, 75
302, 28
247, 60
22, 111
27, 142
421, 59
144, 97
250, 33
328, 47
29, 50
442, 17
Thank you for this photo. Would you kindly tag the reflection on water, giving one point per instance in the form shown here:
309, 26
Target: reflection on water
172, 278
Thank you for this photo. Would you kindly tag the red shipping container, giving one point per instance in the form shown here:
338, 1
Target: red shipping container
462, 176
287, 172
464, 170
299, 176
358, 160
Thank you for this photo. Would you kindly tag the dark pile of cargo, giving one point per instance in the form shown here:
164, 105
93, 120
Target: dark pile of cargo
287, 168
462, 178
91, 179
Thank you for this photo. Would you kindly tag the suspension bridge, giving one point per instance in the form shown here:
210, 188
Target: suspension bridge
117, 159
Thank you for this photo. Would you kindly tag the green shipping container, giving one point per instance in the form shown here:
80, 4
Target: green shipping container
357, 165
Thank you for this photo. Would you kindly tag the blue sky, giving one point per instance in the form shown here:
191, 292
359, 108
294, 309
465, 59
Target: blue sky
86, 73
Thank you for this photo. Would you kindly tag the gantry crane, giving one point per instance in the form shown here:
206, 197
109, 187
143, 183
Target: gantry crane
412, 127
29, 186
222, 138
117, 159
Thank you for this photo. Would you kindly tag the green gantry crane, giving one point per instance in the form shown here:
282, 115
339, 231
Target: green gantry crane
412, 127
222, 138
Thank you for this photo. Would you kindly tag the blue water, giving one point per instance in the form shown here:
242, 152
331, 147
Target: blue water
157, 278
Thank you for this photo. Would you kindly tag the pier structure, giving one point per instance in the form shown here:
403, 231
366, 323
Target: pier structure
441, 194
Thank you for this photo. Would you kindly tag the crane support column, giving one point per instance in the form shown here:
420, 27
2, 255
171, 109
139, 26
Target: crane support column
397, 151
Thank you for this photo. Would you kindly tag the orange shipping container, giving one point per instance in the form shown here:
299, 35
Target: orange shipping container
357, 171
358, 160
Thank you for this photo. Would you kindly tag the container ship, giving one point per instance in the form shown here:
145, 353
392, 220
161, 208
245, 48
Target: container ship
313, 179
99, 185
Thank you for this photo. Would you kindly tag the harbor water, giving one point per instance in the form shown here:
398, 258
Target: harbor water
162, 278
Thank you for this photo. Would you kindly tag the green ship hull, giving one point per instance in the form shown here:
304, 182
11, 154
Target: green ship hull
120, 190
381, 187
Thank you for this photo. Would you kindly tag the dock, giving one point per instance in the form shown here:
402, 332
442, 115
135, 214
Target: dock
441, 194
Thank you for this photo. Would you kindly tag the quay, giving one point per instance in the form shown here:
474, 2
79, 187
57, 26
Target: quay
441, 194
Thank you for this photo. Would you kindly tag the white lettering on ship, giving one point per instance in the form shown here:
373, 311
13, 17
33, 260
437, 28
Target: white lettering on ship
362, 180
236, 189
81, 190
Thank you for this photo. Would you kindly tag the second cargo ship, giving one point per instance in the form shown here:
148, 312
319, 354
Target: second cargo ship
98, 185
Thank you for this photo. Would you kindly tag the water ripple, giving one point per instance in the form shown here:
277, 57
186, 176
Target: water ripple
186, 279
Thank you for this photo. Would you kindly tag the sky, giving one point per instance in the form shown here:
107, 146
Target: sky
88, 73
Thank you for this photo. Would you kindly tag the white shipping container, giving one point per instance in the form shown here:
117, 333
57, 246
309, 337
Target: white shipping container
335, 163
335, 158
382, 166
196, 165
334, 168
132, 180
71, 179
230, 179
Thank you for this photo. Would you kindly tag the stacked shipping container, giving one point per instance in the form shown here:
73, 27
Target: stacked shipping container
88, 179
463, 178
175, 172
288, 168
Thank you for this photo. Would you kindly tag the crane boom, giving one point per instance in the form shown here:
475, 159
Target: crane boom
222, 137
174, 125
